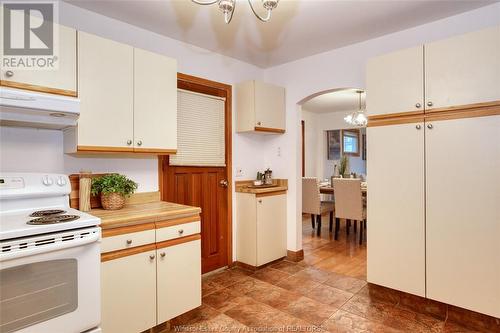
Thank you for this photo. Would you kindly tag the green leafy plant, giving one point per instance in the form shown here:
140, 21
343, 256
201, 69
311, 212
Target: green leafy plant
343, 165
113, 183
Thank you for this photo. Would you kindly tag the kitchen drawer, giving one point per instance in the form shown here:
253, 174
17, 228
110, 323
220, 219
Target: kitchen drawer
127, 240
177, 231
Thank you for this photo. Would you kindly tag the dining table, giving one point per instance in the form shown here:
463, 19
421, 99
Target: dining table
327, 188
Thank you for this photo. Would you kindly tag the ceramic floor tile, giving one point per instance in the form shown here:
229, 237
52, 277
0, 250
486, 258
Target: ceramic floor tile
423, 305
224, 299
247, 284
287, 267
208, 286
379, 293
227, 277
313, 274
450, 327
194, 316
329, 295
273, 296
344, 322
254, 315
409, 321
310, 310
369, 309
299, 285
220, 323
270, 275
345, 283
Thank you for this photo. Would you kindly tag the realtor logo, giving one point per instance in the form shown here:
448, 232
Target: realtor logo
29, 35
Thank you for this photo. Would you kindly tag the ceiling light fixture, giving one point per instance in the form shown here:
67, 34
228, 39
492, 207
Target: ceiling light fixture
228, 7
357, 118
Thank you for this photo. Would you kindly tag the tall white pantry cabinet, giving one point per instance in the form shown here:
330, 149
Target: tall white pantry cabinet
434, 166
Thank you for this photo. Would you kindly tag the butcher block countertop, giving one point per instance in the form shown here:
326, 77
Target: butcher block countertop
246, 186
134, 214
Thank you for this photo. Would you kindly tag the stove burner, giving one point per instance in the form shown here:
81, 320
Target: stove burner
53, 219
48, 212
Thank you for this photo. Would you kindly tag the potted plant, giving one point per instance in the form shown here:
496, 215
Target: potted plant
343, 165
113, 189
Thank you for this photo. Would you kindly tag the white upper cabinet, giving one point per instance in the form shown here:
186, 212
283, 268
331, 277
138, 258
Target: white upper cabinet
128, 99
395, 82
106, 85
155, 102
61, 81
260, 107
463, 70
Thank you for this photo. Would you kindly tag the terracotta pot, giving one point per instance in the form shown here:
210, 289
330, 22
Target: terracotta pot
112, 201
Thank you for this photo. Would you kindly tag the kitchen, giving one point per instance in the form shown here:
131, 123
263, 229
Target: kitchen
20, 147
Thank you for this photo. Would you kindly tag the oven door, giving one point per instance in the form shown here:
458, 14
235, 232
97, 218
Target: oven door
51, 283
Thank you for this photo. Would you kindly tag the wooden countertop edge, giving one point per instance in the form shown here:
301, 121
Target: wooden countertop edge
127, 222
261, 190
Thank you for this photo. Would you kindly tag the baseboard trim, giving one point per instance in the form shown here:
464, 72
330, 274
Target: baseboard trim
255, 268
295, 256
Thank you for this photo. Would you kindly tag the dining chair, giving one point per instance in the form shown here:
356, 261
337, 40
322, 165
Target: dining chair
349, 205
312, 204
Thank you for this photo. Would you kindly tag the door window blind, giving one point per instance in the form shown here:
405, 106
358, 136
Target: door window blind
200, 130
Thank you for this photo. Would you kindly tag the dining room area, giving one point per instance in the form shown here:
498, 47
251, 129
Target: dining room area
334, 183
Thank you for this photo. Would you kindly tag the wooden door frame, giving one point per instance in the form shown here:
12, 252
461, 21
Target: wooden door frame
303, 131
162, 175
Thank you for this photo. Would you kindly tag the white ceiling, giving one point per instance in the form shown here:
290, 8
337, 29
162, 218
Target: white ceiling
345, 100
298, 28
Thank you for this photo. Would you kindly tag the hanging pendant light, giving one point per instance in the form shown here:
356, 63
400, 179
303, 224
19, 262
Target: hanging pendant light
228, 7
357, 118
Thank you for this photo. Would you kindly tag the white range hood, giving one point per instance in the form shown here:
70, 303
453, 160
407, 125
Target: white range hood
31, 109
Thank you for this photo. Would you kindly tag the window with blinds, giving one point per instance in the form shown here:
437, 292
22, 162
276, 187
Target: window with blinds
200, 130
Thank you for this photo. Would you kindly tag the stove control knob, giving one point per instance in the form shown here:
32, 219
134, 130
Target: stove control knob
61, 181
47, 181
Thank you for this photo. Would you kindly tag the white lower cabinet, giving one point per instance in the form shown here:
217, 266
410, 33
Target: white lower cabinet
261, 235
178, 279
129, 293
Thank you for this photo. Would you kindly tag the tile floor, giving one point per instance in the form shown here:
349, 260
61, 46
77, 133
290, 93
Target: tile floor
326, 292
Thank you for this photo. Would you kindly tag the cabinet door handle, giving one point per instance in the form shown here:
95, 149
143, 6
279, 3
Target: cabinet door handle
139, 143
129, 241
9, 73
129, 142
259, 123
181, 231
429, 126
260, 201
162, 254
152, 256
418, 105
418, 127
430, 103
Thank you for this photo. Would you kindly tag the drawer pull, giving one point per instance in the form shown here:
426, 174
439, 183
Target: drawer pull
152, 256
162, 254
181, 231
129, 241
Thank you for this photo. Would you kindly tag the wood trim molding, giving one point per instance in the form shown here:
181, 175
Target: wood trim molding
104, 149
269, 194
295, 256
126, 252
156, 151
127, 229
269, 130
182, 220
142, 198
205, 82
177, 241
36, 88
454, 112
464, 111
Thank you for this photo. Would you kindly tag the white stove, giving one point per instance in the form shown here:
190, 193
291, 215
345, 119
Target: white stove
49, 259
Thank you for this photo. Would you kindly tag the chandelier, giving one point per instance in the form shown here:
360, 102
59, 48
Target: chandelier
357, 118
228, 6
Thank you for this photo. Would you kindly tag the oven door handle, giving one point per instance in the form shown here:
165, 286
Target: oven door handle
50, 247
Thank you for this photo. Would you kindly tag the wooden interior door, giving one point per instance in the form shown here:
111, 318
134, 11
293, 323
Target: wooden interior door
205, 187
